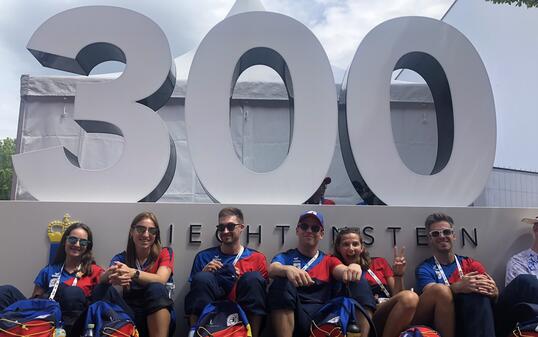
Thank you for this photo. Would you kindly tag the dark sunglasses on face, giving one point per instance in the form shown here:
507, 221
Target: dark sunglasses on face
304, 227
230, 226
72, 240
441, 232
142, 229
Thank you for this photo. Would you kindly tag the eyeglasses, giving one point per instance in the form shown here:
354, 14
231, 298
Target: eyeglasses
230, 226
72, 240
305, 227
142, 229
441, 232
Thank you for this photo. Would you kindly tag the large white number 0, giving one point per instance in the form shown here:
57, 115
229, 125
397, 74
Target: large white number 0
76, 41
463, 102
290, 49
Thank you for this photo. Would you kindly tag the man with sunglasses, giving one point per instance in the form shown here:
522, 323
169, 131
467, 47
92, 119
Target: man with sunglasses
229, 271
470, 286
303, 280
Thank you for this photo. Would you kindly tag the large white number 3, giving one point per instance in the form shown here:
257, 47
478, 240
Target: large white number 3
76, 41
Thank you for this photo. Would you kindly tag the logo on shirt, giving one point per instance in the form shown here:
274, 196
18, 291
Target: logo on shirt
532, 262
296, 262
54, 278
438, 273
233, 319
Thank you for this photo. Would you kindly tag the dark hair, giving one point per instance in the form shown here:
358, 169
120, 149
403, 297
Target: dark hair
231, 211
130, 252
436, 217
87, 259
364, 257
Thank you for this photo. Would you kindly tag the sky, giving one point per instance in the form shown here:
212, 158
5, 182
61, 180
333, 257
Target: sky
340, 25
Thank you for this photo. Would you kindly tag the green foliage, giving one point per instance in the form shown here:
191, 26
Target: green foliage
519, 3
7, 148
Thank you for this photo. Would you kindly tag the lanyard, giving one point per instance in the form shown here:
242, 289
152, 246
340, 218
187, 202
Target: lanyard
238, 255
139, 266
57, 282
378, 281
306, 266
441, 271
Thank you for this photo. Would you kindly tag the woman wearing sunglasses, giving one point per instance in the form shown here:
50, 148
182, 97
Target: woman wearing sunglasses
69, 279
397, 308
141, 272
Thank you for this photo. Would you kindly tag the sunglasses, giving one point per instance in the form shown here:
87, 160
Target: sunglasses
72, 240
305, 227
442, 232
142, 229
230, 226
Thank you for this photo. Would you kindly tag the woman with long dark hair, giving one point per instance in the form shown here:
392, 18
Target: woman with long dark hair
142, 271
69, 279
397, 308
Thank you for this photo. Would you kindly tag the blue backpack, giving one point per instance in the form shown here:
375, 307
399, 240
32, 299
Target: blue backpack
34, 317
110, 319
333, 319
222, 319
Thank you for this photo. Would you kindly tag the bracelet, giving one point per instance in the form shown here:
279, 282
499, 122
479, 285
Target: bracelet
397, 275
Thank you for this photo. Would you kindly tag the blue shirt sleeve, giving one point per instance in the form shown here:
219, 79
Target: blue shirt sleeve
197, 266
118, 258
280, 258
42, 279
424, 276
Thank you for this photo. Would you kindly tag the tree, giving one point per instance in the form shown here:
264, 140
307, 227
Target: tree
7, 148
528, 3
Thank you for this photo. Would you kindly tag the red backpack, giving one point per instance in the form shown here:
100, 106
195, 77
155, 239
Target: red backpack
420, 331
35, 317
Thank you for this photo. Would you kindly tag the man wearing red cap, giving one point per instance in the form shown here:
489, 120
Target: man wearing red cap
303, 277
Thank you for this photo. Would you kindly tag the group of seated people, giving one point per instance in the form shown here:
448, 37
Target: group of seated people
453, 295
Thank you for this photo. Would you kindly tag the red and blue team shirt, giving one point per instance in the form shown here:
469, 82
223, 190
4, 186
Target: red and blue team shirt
48, 275
165, 259
251, 260
427, 273
383, 271
320, 271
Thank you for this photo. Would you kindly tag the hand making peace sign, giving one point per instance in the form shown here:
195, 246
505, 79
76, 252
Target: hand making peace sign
399, 263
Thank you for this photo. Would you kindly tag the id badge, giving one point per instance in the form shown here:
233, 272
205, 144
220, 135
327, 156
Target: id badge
53, 281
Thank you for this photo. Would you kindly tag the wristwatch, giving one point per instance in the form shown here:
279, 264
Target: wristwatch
136, 275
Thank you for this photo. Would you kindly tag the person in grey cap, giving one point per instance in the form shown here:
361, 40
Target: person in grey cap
521, 286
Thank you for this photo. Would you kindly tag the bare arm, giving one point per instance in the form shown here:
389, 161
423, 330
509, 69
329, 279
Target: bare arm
350, 273
38, 291
396, 283
296, 276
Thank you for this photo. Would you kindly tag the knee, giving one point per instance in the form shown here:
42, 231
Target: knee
9, 290
524, 280
251, 278
282, 294
203, 278
408, 299
281, 285
440, 292
73, 294
156, 289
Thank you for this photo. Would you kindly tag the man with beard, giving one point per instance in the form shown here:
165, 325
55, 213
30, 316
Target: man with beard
471, 287
229, 271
